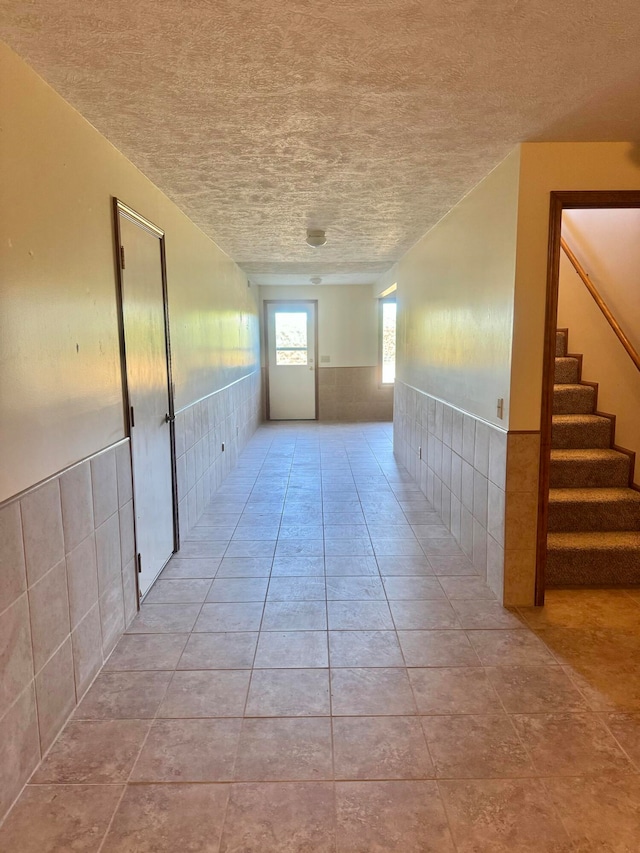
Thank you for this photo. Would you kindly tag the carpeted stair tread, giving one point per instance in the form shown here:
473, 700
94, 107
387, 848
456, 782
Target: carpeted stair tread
573, 399
589, 468
593, 559
580, 431
567, 369
618, 540
594, 509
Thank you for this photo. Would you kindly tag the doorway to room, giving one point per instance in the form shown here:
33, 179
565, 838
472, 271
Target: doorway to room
589, 505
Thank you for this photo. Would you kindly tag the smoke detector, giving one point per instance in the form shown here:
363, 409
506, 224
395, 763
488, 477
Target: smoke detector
315, 279
316, 238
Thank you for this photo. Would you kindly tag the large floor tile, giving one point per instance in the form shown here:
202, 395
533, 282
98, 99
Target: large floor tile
298, 566
206, 693
364, 648
124, 696
437, 648
178, 568
146, 652
189, 751
355, 588
289, 693
193, 590
565, 744
230, 616
167, 818
380, 748
359, 616
535, 689
285, 749
425, 615
372, 691
238, 589
284, 817
454, 690
164, 619
296, 589
510, 648
294, 616
245, 567
476, 746
231, 650
600, 813
503, 816
95, 753
391, 817
60, 818
292, 649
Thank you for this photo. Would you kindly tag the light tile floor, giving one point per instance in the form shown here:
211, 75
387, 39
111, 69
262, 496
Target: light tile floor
303, 679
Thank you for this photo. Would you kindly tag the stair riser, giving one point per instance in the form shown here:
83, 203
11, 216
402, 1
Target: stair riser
568, 517
586, 566
579, 436
589, 474
561, 344
567, 370
574, 401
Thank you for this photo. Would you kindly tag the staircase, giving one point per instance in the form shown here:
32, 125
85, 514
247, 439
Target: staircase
594, 517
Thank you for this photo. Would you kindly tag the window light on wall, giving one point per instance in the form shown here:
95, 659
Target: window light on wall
388, 340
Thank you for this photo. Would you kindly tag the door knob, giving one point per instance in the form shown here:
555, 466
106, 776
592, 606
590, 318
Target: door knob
169, 419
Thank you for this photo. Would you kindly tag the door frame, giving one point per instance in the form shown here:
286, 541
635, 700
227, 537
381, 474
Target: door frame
121, 209
265, 309
560, 201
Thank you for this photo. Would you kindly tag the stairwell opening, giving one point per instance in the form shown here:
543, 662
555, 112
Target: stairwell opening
589, 503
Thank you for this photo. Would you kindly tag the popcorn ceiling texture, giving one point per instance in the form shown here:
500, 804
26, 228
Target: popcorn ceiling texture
261, 118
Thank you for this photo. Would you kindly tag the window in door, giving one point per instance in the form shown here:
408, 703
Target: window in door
291, 338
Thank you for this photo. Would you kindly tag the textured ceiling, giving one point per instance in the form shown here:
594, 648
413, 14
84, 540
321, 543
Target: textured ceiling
262, 118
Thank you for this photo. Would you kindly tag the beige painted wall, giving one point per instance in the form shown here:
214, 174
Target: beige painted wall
607, 243
60, 385
455, 299
547, 167
347, 321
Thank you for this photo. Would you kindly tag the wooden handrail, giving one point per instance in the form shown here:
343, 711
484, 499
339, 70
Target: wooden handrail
602, 305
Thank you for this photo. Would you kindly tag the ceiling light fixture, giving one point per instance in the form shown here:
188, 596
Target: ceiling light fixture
315, 279
316, 238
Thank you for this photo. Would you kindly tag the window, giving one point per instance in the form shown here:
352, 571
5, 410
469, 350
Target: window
388, 340
291, 337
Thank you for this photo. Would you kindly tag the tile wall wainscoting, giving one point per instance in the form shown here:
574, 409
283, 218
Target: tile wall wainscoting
353, 394
67, 592
230, 417
67, 571
482, 480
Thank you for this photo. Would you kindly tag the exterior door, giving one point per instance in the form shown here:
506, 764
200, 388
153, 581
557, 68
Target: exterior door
148, 388
291, 353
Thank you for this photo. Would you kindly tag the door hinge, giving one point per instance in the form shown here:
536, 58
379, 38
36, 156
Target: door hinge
139, 558
122, 264
132, 420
